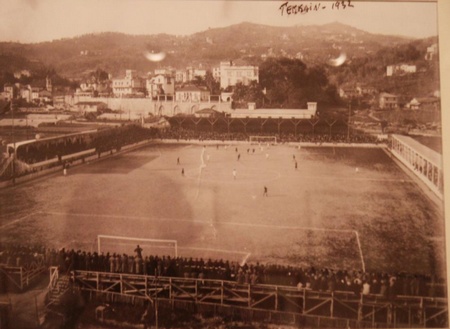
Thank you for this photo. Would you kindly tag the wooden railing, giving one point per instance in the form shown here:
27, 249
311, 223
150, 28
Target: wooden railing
373, 310
22, 276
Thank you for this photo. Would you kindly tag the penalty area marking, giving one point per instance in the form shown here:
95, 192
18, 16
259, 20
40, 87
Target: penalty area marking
285, 227
18, 220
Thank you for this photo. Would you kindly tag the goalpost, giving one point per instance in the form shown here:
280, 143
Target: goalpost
126, 245
263, 139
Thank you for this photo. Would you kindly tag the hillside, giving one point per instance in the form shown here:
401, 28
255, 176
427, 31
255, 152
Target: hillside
371, 70
115, 52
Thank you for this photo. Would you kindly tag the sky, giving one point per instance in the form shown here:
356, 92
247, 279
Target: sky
30, 21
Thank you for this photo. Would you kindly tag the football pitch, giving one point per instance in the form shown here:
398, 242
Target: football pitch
341, 208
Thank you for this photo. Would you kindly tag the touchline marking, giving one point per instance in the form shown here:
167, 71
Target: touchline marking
359, 179
360, 251
202, 165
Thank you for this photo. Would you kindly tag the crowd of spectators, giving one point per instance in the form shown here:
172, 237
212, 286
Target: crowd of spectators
319, 279
326, 138
114, 139
22, 256
188, 135
102, 141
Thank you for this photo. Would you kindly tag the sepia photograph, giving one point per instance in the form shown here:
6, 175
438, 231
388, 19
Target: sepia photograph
244, 164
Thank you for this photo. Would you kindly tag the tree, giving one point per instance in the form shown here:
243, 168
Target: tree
290, 83
99, 76
211, 83
244, 94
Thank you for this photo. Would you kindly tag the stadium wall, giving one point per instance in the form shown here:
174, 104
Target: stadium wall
146, 106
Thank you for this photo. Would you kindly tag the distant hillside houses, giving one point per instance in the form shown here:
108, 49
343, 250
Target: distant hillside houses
40, 92
356, 91
424, 103
388, 101
167, 81
189, 74
94, 88
432, 52
400, 69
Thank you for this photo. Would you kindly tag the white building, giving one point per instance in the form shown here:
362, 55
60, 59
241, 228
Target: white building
400, 69
189, 74
131, 84
231, 74
160, 85
192, 94
432, 52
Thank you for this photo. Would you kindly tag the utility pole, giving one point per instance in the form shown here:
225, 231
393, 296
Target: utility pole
14, 142
348, 121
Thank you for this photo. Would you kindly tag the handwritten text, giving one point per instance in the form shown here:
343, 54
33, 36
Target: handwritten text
303, 8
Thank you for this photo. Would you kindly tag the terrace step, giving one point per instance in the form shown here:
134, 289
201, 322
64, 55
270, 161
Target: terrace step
61, 287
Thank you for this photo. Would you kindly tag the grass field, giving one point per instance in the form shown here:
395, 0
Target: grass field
326, 213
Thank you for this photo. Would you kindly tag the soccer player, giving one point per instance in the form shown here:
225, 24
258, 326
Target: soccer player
182, 171
239, 156
296, 165
265, 191
178, 160
234, 173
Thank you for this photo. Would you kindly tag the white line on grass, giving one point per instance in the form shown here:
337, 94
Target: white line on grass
202, 165
15, 221
197, 221
360, 251
358, 179
286, 227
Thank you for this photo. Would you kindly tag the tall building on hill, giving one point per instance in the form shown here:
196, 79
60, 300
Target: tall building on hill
233, 73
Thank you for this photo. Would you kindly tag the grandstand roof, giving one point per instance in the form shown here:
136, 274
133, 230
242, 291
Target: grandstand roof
92, 103
274, 113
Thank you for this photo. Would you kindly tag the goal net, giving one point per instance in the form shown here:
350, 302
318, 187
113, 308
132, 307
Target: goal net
263, 139
127, 245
